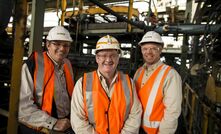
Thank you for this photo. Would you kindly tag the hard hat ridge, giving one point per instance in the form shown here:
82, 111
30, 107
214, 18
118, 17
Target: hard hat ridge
107, 42
151, 36
59, 33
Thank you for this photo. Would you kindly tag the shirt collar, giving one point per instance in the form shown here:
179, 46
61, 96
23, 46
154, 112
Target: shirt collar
55, 63
101, 77
152, 67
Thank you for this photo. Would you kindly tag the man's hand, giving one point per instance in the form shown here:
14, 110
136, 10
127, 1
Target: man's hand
62, 124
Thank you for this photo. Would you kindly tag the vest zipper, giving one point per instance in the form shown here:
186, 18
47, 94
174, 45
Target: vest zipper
108, 124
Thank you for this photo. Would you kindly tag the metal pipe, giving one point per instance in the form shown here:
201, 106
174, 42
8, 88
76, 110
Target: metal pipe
189, 29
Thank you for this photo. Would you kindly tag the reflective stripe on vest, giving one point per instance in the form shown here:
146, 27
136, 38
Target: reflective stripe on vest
138, 78
153, 97
44, 81
94, 96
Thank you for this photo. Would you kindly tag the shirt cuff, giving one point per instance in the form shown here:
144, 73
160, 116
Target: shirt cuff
50, 122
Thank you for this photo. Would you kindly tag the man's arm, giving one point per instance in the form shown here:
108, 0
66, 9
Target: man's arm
172, 100
29, 114
132, 124
79, 121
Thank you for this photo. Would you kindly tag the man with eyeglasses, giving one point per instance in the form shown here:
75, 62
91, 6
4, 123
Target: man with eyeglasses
47, 83
105, 101
159, 88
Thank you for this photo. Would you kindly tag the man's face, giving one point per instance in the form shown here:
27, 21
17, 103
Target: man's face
107, 61
58, 50
151, 53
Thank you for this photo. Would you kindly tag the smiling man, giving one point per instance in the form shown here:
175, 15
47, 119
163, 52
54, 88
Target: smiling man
105, 101
47, 83
159, 88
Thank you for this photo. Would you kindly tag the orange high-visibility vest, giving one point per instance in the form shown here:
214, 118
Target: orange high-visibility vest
44, 80
151, 97
107, 115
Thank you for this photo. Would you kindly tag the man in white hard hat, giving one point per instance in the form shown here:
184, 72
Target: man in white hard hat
159, 88
105, 101
46, 86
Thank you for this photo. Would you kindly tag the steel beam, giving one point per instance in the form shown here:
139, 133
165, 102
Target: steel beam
17, 60
37, 23
130, 14
95, 10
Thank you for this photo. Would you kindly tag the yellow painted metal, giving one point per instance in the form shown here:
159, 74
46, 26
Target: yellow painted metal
18, 52
96, 10
130, 12
218, 95
9, 30
63, 10
210, 90
57, 6
155, 9
208, 113
190, 92
205, 120
81, 3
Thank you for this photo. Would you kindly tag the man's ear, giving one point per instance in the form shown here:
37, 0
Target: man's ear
47, 44
96, 58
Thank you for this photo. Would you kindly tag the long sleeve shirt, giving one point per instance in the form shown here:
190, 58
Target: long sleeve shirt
29, 112
172, 98
81, 125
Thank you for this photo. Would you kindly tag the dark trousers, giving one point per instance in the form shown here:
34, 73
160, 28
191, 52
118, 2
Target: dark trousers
22, 129
142, 131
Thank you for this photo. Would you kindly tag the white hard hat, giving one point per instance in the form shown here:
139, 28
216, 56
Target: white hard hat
59, 33
151, 36
107, 42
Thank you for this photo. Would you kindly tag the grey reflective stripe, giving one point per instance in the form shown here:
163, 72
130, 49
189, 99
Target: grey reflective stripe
89, 98
39, 77
151, 124
153, 94
138, 73
126, 90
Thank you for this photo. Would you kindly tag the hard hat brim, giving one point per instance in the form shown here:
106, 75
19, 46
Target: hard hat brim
143, 42
98, 50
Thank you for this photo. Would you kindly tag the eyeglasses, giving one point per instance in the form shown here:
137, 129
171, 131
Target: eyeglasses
151, 49
59, 44
104, 56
